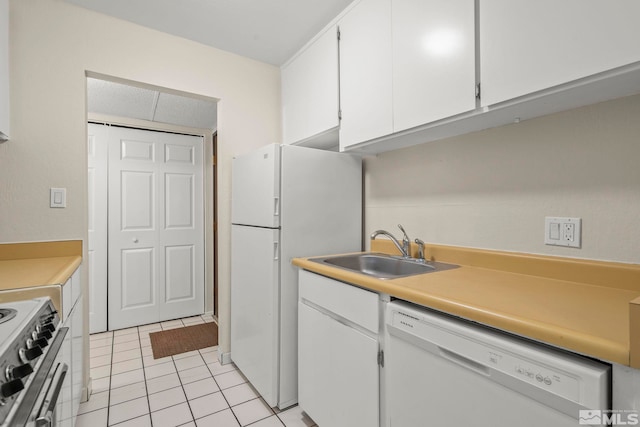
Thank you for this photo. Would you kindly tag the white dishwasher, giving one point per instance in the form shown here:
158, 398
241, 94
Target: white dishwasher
444, 371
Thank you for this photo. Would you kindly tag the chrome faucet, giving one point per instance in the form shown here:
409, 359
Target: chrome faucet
404, 248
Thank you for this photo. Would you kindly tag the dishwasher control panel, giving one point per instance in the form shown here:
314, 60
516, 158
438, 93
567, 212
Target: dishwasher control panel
502, 356
522, 366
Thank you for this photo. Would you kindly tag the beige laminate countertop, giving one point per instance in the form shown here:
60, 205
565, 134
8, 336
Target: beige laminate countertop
27, 265
589, 307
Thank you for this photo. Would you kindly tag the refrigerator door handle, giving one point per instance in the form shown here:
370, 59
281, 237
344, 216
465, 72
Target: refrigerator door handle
275, 251
276, 206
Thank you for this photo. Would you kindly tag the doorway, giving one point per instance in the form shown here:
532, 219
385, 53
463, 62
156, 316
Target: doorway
138, 105
155, 232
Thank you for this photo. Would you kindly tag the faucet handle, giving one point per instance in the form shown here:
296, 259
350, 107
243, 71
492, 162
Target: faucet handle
420, 244
406, 242
405, 238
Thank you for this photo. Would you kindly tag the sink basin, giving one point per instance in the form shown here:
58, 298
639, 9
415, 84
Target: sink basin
382, 266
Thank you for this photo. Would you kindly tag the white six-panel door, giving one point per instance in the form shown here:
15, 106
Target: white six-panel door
156, 233
155, 227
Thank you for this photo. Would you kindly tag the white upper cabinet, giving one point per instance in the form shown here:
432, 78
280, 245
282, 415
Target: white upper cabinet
527, 46
365, 72
404, 64
310, 91
409, 69
434, 74
4, 69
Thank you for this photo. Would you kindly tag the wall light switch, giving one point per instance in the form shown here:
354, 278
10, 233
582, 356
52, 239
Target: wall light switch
561, 231
58, 197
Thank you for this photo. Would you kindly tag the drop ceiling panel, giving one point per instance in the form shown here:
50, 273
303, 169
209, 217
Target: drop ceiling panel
180, 110
120, 100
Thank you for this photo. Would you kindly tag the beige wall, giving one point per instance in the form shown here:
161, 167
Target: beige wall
53, 45
492, 189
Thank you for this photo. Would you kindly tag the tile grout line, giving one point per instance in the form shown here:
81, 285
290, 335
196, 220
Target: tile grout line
144, 376
145, 385
214, 380
109, 388
182, 385
220, 388
231, 407
193, 418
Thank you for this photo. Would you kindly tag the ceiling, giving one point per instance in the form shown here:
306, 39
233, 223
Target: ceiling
270, 31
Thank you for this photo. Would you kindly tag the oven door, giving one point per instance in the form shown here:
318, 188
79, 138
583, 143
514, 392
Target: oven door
44, 395
53, 404
48, 413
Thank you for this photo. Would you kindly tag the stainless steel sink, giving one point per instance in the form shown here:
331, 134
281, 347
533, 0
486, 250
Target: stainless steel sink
382, 266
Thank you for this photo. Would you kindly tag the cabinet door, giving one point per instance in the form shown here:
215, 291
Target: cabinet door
433, 60
338, 381
310, 90
67, 299
527, 46
365, 73
77, 355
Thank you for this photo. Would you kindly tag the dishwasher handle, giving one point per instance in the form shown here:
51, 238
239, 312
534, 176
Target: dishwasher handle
465, 362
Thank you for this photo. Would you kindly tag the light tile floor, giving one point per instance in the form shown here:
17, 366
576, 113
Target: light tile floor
132, 389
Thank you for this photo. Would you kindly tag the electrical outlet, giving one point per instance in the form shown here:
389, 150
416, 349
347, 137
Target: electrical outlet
561, 231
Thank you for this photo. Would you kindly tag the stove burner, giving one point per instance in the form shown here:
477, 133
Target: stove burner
7, 314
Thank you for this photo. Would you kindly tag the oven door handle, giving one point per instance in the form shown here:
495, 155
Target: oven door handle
51, 400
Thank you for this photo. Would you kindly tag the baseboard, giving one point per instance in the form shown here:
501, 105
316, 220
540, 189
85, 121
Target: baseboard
224, 358
86, 391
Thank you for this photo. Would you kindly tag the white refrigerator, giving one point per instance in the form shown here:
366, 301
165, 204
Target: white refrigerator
286, 202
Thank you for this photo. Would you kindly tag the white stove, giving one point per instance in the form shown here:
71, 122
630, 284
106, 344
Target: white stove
30, 375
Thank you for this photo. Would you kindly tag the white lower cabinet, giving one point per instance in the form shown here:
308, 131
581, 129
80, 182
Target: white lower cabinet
72, 352
77, 356
338, 371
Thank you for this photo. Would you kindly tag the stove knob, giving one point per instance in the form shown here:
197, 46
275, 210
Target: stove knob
11, 388
40, 342
47, 327
18, 372
28, 354
48, 317
44, 334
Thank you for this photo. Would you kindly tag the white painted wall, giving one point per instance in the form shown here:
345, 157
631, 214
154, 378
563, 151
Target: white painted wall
4, 67
53, 45
492, 189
